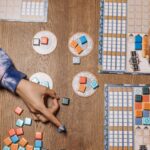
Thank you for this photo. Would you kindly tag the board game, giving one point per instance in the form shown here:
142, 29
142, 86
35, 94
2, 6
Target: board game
24, 10
127, 117
124, 36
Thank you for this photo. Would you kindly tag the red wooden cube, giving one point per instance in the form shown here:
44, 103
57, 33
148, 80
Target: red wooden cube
11, 132
44, 40
19, 131
18, 110
83, 80
38, 135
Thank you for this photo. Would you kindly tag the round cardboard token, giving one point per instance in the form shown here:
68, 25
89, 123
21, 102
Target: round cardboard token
44, 48
42, 79
87, 46
89, 90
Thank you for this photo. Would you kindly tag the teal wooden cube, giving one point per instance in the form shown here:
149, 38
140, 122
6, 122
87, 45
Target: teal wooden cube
19, 123
138, 98
21, 148
146, 91
94, 84
65, 101
146, 121
28, 121
6, 148
38, 143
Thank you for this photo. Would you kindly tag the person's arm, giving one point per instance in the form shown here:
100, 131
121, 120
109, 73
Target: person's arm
34, 95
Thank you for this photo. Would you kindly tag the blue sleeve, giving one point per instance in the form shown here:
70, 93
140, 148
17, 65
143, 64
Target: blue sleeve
9, 75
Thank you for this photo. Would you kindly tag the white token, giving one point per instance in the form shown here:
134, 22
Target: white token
45, 48
87, 47
89, 90
42, 79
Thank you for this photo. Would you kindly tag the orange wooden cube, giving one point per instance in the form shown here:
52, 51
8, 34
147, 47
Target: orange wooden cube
138, 113
19, 131
73, 44
44, 40
7, 141
29, 147
138, 106
79, 49
23, 142
83, 80
82, 88
11, 132
146, 106
38, 135
146, 98
14, 146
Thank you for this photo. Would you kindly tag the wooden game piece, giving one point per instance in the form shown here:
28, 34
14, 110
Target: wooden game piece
82, 88
18, 110
37, 148
138, 121
29, 147
146, 113
83, 39
35, 80
7, 141
65, 101
38, 135
36, 42
19, 131
138, 106
19, 123
6, 148
83, 80
38, 143
138, 98
11, 132
28, 121
23, 142
146, 90
145, 98
79, 49
73, 44
14, 138
138, 113
44, 40
21, 148
76, 60
138, 46
138, 38
146, 106
94, 84
14, 146
146, 121
44, 83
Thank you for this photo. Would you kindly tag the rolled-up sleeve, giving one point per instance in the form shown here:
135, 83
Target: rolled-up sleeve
9, 75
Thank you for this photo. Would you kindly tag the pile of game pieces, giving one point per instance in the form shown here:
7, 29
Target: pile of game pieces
16, 141
79, 43
40, 41
83, 81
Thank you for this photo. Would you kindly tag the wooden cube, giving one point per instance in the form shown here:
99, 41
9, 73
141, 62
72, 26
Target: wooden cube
138, 113
82, 88
138, 106
79, 49
11, 132
19, 131
29, 147
65, 101
83, 80
146, 106
38, 135
7, 141
14, 146
44, 40
23, 142
73, 44
18, 110
146, 98
36, 42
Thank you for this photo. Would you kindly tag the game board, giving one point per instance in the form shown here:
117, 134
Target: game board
127, 117
123, 36
24, 10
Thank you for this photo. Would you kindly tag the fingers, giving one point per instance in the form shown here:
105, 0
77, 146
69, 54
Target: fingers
55, 106
35, 118
51, 93
42, 118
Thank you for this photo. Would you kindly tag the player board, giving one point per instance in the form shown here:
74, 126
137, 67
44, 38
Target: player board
127, 117
24, 10
124, 36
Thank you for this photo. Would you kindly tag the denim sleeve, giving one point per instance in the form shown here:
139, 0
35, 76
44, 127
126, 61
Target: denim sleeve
9, 75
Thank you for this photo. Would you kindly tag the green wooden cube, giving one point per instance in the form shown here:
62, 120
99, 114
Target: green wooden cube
138, 98
65, 101
146, 91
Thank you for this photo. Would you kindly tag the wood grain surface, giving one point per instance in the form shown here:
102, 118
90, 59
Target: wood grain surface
84, 117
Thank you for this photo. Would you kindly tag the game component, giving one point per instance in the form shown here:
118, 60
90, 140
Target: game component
7, 141
37, 148
18, 110
36, 42
21, 148
138, 38
138, 98
146, 91
138, 46
38, 143
146, 121
83, 80
19, 131
146, 113
76, 60
83, 39
138, 121
14, 138
138, 106
138, 113
6, 148
62, 129
23, 142
28, 121
19, 123
14, 146
79, 49
35, 80
29, 147
38, 135
94, 84
146, 98
73, 44
44, 83
11, 132
82, 88
146, 106
44, 40
65, 101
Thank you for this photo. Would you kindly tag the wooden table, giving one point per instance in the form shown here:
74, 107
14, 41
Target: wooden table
84, 117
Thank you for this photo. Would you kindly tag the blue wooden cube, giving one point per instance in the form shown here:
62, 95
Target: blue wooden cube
146, 121
28, 121
38, 143
14, 138
19, 123
37, 148
138, 121
94, 84
83, 39
21, 148
138, 46
146, 113
6, 148
65, 101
